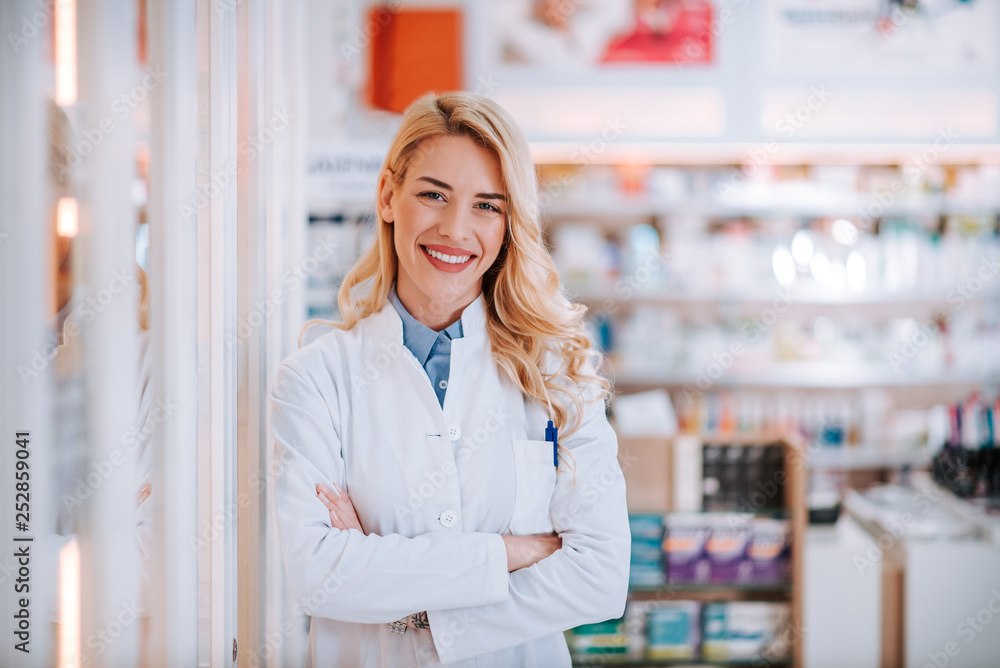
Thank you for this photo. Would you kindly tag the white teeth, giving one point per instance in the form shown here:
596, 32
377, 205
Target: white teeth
450, 259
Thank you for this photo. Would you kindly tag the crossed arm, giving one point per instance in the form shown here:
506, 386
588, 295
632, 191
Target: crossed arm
522, 551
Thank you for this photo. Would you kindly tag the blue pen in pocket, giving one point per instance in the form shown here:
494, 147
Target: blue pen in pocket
552, 434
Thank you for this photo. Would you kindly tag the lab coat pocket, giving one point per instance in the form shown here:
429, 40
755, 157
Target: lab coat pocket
535, 482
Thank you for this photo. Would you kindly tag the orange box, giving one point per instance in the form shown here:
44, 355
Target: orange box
413, 51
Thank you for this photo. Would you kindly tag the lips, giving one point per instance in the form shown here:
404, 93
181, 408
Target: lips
445, 261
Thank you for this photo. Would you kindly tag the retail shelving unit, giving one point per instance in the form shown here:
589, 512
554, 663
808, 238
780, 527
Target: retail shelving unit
688, 196
658, 469
692, 300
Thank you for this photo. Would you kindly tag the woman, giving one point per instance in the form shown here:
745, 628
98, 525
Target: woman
422, 517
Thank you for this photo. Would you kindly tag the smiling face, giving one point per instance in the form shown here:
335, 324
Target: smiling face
449, 216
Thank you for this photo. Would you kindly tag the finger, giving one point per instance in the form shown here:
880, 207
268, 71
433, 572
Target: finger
334, 516
326, 501
343, 503
349, 515
323, 488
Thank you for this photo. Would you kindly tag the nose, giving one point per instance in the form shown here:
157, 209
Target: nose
456, 223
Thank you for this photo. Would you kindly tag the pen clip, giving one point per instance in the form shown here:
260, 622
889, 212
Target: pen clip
552, 434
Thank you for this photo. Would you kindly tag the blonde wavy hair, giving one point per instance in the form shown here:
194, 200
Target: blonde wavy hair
530, 321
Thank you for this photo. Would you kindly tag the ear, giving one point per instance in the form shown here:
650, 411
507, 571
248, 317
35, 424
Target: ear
386, 187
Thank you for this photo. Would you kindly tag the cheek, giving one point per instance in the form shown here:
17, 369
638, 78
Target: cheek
495, 238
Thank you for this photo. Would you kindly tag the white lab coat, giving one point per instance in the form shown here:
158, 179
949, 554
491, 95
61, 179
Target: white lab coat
436, 488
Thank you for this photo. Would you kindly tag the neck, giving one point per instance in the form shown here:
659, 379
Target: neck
433, 313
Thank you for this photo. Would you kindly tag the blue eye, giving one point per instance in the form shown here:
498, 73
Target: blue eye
431, 195
489, 207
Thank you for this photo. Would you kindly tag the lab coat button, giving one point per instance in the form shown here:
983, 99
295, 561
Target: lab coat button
454, 431
449, 518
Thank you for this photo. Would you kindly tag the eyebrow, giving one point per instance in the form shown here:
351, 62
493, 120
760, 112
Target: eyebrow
445, 186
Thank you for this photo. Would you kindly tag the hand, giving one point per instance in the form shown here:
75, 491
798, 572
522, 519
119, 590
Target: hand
554, 13
144, 493
523, 551
418, 620
342, 513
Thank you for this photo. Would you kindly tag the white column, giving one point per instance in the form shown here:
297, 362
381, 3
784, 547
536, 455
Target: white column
217, 328
106, 38
173, 264
25, 284
252, 193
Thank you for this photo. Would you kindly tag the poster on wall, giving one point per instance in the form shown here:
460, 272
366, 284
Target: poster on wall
571, 70
945, 37
587, 34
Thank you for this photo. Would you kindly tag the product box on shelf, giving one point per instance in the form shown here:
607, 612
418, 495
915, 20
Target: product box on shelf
672, 631
602, 638
726, 548
685, 538
746, 631
742, 478
771, 550
636, 615
646, 568
663, 629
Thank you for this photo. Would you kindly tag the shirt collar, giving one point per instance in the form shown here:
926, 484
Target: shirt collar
417, 336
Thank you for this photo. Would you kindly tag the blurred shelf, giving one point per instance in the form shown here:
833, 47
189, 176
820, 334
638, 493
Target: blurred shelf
620, 660
615, 206
861, 458
806, 375
712, 586
811, 298
709, 154
712, 592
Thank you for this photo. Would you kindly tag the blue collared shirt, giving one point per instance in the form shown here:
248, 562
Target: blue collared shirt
432, 349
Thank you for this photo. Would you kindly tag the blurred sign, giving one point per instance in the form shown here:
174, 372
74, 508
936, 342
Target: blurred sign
870, 37
342, 173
